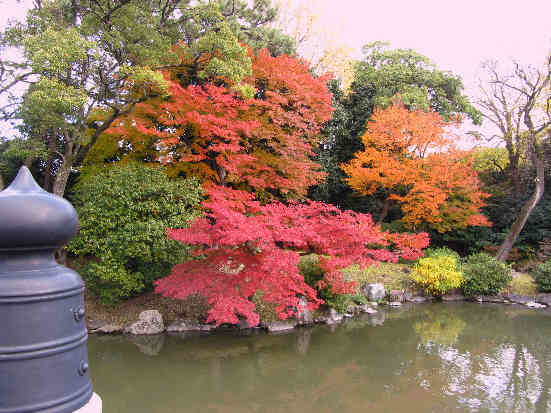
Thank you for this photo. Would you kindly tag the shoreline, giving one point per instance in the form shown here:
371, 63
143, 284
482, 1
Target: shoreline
150, 322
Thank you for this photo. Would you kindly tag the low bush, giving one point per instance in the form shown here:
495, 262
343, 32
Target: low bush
437, 274
312, 273
124, 212
542, 276
441, 252
484, 275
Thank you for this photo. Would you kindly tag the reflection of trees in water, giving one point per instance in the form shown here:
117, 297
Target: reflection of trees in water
427, 358
441, 327
502, 363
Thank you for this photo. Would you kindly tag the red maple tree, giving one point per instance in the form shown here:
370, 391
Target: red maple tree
248, 247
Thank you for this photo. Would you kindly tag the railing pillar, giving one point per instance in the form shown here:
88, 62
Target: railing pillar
43, 355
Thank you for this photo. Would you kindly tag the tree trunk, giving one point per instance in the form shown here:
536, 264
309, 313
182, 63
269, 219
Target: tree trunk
525, 211
384, 212
48, 174
62, 175
1, 182
61, 178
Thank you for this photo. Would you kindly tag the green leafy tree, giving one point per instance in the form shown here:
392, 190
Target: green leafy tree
90, 62
378, 78
124, 213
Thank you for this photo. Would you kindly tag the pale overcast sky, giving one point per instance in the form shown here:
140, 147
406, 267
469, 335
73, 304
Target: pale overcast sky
455, 35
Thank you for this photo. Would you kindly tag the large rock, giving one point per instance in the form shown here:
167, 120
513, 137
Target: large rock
304, 313
149, 322
186, 326
374, 292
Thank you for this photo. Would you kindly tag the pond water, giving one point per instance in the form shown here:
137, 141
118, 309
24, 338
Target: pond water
423, 358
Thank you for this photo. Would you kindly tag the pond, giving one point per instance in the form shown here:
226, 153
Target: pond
419, 358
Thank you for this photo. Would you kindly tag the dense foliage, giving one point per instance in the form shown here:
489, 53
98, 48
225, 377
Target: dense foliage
88, 62
378, 78
484, 275
263, 143
437, 274
410, 158
542, 276
248, 247
124, 213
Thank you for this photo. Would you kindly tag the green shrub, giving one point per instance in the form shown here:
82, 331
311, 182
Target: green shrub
484, 275
441, 252
124, 212
437, 274
312, 273
542, 276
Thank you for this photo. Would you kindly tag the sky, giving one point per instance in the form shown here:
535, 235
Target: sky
457, 36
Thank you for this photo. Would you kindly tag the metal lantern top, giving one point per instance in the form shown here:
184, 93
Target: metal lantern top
31, 218
43, 355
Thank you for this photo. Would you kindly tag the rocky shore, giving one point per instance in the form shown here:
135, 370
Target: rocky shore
150, 322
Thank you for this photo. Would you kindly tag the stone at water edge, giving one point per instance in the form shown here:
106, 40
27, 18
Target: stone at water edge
183, 326
149, 322
304, 314
395, 304
533, 304
416, 299
374, 292
543, 299
334, 317
280, 326
109, 329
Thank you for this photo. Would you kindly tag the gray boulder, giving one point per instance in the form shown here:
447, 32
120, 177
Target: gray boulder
374, 292
149, 322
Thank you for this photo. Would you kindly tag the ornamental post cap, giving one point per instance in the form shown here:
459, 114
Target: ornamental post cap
33, 218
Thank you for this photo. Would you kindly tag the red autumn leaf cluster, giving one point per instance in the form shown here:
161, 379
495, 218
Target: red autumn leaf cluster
262, 144
246, 247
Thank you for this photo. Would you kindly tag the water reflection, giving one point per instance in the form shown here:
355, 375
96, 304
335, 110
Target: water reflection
425, 358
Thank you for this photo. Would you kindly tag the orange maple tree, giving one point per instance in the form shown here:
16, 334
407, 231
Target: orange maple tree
208, 130
410, 155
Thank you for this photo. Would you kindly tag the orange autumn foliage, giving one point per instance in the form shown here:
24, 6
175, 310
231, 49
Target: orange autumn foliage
262, 144
411, 156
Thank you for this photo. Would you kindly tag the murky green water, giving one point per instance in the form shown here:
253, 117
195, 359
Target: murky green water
424, 358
